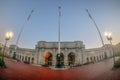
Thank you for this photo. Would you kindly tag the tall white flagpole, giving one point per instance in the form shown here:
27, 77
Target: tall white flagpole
59, 16
19, 35
95, 26
98, 31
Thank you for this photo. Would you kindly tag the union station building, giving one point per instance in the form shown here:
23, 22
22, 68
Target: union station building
72, 53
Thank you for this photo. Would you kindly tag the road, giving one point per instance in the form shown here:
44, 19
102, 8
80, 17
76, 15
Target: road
97, 71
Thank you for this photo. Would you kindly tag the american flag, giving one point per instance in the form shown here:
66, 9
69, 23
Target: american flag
30, 15
89, 14
59, 10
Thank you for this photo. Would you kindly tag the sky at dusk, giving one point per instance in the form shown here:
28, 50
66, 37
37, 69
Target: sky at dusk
75, 22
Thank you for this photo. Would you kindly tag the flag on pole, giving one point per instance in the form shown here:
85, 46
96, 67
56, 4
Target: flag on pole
95, 26
59, 11
30, 15
89, 14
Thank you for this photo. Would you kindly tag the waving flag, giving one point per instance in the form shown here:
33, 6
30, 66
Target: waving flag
30, 15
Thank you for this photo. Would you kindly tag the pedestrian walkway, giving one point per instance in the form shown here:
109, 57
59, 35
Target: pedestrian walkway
20, 71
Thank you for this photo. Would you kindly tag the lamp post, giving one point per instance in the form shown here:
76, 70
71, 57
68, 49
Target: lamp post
8, 36
109, 38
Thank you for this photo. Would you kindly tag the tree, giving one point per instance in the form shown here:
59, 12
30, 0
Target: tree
2, 63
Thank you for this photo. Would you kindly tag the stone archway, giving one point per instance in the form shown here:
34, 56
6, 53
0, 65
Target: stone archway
23, 58
71, 58
14, 55
28, 59
60, 60
87, 60
32, 61
48, 58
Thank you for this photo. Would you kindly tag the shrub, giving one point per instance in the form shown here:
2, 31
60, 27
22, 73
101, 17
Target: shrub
2, 63
117, 64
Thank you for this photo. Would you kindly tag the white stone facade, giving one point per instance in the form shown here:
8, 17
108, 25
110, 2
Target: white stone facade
77, 48
73, 53
22, 54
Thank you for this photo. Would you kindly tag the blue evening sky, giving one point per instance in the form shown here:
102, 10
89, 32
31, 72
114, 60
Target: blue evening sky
75, 23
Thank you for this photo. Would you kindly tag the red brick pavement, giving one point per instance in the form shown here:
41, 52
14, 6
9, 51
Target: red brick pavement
97, 71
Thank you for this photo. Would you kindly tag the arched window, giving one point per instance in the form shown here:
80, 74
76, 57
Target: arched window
91, 59
71, 58
48, 58
60, 59
32, 60
97, 58
87, 59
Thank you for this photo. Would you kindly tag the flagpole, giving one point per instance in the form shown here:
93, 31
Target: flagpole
95, 26
98, 32
59, 29
19, 35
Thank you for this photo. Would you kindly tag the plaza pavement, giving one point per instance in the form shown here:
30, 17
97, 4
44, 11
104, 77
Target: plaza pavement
21, 71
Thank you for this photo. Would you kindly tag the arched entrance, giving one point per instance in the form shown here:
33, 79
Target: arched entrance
48, 58
28, 59
60, 60
71, 58
87, 59
14, 55
25, 58
22, 58
94, 59
32, 60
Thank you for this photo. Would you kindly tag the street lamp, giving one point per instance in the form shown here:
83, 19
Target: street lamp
109, 38
8, 36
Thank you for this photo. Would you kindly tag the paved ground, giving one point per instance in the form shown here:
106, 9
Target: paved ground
97, 71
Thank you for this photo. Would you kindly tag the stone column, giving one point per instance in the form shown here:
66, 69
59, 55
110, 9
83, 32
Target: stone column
54, 57
23, 58
65, 57
38, 56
